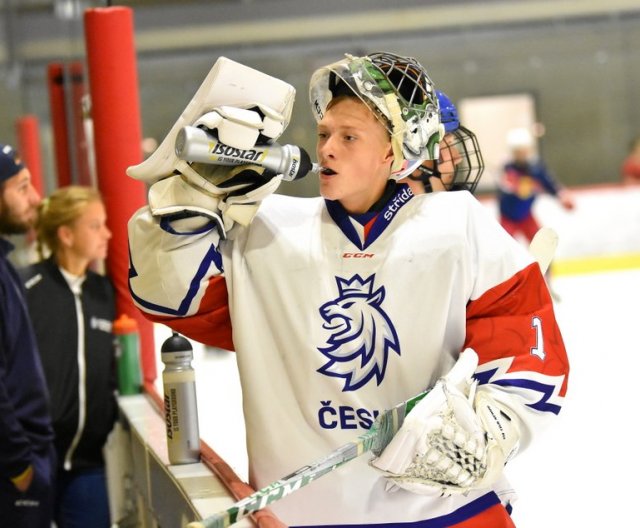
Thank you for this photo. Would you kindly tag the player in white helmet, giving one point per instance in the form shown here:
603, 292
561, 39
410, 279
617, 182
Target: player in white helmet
344, 305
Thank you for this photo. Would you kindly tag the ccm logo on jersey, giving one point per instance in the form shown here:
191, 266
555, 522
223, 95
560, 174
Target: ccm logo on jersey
358, 255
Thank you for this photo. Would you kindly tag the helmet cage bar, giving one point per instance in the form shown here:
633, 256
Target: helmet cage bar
461, 145
406, 79
468, 172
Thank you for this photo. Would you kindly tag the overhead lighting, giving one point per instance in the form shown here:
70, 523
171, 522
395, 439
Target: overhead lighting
68, 9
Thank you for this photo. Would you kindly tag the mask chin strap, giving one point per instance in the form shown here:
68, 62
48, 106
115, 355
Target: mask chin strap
425, 174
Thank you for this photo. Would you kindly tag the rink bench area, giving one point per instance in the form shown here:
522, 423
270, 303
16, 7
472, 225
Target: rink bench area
148, 491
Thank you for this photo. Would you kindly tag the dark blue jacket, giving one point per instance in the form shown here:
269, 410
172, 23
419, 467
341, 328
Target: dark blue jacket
25, 422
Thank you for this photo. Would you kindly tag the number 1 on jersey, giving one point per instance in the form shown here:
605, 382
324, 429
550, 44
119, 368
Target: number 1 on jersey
538, 349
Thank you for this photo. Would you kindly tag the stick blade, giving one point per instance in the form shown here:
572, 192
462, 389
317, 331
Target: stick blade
543, 247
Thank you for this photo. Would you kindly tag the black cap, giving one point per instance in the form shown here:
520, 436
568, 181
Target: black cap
176, 343
9, 162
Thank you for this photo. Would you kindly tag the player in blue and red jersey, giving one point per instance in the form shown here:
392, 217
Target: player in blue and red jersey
523, 180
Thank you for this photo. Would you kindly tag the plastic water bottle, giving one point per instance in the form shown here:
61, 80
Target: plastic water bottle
195, 144
180, 403
127, 343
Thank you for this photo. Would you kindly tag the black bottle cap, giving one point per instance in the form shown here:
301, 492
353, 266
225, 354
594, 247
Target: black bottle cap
305, 164
176, 343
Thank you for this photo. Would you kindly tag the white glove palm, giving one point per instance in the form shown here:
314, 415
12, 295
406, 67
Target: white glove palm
454, 440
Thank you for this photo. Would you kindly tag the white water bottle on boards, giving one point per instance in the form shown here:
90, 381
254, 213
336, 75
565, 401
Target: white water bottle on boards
180, 403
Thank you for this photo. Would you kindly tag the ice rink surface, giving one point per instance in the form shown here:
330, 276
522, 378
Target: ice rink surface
580, 472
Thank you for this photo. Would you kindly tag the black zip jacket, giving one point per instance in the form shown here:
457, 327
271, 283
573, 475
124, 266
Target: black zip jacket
81, 379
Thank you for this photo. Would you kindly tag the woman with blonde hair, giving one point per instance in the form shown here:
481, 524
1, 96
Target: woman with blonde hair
72, 307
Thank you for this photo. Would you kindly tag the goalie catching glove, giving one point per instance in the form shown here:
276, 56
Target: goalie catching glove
454, 440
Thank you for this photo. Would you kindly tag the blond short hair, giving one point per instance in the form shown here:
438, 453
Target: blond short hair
61, 208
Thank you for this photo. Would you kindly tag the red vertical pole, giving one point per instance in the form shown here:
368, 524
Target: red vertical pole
55, 77
27, 131
113, 85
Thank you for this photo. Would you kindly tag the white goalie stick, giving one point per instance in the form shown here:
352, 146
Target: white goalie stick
384, 428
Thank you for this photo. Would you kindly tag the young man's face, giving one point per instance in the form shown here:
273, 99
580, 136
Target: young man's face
18, 204
522, 154
355, 153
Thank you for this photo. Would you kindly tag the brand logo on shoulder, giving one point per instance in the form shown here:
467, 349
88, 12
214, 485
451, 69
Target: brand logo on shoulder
398, 201
361, 334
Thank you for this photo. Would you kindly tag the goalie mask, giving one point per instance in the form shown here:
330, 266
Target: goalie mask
400, 94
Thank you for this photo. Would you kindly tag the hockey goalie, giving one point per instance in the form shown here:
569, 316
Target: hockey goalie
341, 306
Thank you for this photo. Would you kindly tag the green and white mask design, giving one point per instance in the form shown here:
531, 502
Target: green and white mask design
399, 93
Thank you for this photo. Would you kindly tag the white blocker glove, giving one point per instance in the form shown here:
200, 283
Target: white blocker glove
243, 128
223, 194
455, 440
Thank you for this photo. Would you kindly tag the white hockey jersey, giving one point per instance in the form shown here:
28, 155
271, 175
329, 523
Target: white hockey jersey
335, 318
